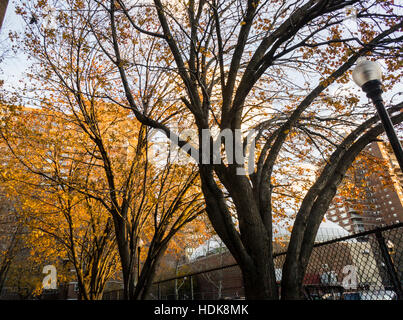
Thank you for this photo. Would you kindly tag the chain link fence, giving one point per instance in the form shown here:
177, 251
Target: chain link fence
364, 266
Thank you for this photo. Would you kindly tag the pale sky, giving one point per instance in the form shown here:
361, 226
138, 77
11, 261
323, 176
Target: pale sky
13, 66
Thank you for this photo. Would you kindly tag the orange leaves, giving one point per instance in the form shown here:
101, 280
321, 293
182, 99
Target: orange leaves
79, 4
367, 175
42, 3
328, 81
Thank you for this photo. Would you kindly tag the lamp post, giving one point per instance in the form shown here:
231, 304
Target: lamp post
140, 244
368, 75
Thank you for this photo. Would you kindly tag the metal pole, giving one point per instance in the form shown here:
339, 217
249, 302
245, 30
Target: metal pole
390, 131
138, 263
191, 287
374, 92
389, 265
176, 281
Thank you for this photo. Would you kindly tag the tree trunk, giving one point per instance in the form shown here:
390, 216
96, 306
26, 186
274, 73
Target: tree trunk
259, 277
146, 278
251, 247
291, 287
128, 270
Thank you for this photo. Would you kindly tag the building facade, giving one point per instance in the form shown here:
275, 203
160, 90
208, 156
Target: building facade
381, 204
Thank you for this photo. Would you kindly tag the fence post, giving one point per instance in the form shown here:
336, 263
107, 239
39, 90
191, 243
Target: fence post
397, 286
191, 288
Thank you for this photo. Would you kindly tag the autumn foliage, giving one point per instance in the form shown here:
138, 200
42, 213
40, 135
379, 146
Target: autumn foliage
106, 75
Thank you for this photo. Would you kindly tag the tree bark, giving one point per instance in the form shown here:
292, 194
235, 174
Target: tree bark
252, 247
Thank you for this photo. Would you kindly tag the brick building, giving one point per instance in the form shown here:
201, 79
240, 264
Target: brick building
382, 204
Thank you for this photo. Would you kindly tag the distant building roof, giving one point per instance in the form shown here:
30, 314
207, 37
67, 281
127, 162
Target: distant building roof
328, 230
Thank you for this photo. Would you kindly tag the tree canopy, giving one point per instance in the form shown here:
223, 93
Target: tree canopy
279, 68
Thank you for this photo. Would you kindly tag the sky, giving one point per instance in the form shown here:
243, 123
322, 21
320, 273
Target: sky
13, 66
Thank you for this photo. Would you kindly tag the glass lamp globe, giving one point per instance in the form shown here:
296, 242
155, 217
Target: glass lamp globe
366, 71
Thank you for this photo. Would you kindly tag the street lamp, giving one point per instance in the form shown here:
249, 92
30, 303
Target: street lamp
368, 76
140, 244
